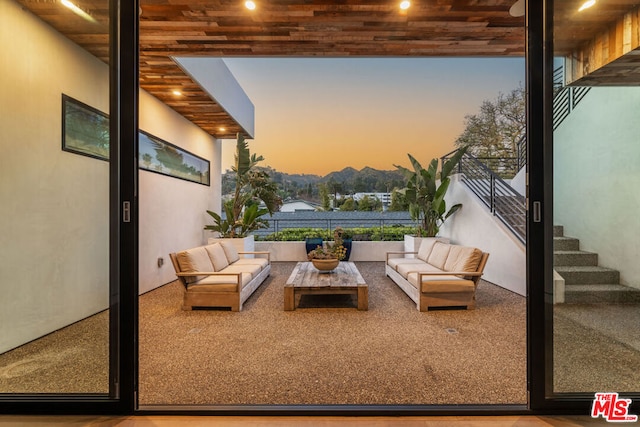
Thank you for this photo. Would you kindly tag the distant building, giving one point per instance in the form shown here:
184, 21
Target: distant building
385, 198
298, 206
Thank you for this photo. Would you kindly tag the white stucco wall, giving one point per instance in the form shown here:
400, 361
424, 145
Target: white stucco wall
473, 225
597, 178
173, 211
54, 255
519, 182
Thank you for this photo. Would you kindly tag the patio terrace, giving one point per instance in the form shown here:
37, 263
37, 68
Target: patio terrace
327, 352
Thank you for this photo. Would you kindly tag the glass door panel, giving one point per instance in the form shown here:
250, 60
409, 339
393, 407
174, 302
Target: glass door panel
54, 185
596, 285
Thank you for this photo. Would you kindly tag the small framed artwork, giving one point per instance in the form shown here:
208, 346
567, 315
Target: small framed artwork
156, 155
85, 130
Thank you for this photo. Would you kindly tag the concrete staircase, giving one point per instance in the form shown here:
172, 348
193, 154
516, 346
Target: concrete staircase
585, 281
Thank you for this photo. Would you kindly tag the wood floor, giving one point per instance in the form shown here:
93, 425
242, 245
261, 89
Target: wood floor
198, 421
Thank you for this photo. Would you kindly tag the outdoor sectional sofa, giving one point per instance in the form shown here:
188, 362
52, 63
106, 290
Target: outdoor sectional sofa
217, 275
440, 274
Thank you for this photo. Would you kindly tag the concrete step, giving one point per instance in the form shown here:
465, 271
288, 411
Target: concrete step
566, 244
600, 293
558, 231
513, 220
578, 258
587, 275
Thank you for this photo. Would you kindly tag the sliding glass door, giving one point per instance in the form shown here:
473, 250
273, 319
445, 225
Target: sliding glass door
61, 177
596, 176
584, 279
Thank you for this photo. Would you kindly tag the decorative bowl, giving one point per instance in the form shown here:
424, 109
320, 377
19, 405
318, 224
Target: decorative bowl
325, 265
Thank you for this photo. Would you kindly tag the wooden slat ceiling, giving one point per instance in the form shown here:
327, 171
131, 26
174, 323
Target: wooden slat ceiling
301, 28
574, 29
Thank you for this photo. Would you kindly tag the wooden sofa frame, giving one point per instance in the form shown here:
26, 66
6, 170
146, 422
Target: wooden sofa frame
424, 300
193, 297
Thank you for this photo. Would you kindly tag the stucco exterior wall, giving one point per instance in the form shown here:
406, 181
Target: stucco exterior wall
597, 178
473, 225
54, 256
173, 211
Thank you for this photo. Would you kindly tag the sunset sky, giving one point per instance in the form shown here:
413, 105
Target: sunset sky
318, 115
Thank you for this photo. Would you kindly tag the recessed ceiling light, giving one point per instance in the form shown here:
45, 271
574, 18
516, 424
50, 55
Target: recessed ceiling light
250, 5
222, 129
406, 4
587, 5
177, 93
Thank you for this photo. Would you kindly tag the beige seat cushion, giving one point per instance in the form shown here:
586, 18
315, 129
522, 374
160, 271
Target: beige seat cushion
250, 270
441, 284
262, 262
406, 269
439, 254
220, 283
463, 258
193, 261
395, 262
218, 257
426, 246
230, 251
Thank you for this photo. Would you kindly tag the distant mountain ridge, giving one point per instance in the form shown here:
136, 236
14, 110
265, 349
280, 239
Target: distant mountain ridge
346, 181
349, 179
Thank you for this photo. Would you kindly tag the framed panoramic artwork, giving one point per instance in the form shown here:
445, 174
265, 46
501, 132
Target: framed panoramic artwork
85, 130
156, 155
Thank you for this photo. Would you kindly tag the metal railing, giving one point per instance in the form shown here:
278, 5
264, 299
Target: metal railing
503, 201
565, 100
521, 148
330, 220
504, 167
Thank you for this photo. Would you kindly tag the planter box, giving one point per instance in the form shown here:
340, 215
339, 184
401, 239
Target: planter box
373, 251
361, 250
284, 251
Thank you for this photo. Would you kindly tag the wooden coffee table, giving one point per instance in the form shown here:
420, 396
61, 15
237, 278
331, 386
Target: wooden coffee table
306, 279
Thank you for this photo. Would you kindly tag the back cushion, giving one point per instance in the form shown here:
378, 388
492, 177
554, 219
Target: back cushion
463, 258
426, 246
194, 260
217, 255
438, 255
230, 251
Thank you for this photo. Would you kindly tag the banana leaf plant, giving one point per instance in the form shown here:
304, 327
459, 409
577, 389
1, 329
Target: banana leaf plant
242, 213
425, 191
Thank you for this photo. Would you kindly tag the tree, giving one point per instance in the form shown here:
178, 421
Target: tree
324, 197
425, 194
398, 201
348, 205
365, 204
495, 131
251, 186
147, 159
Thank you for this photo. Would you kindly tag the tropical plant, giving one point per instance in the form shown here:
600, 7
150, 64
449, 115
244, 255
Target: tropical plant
342, 233
335, 250
425, 194
252, 186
